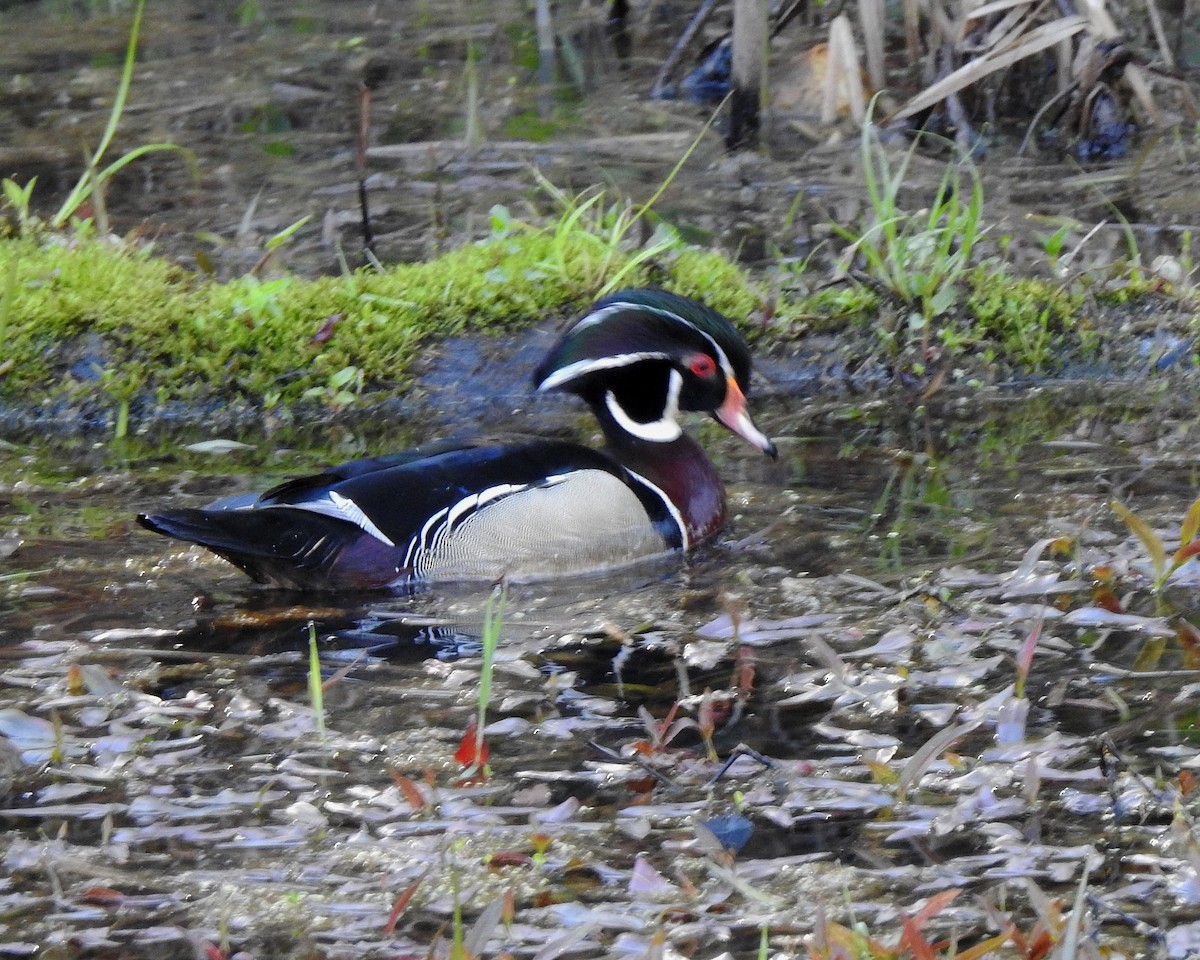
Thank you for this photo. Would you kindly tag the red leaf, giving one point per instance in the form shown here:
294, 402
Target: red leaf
743, 669
325, 333
400, 906
935, 905
658, 730
101, 895
412, 793
472, 750
643, 785
918, 946
509, 858
1041, 945
1186, 552
1104, 598
1189, 642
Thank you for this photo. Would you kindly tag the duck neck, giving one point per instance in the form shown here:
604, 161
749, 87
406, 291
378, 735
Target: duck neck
679, 468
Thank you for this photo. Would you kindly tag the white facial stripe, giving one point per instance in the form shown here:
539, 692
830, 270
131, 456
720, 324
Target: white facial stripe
340, 508
582, 367
663, 430
601, 315
685, 540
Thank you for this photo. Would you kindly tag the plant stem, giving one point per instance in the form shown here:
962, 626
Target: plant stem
87, 179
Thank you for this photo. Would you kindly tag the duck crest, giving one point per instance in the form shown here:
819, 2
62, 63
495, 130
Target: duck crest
635, 326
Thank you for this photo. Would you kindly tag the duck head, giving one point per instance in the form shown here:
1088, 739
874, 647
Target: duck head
639, 357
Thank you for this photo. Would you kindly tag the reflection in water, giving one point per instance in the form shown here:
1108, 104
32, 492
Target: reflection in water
881, 491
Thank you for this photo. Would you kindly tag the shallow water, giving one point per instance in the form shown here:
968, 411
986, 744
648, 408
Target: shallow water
877, 576
874, 587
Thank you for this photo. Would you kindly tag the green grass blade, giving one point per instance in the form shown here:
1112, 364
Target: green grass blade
118, 107
284, 235
1150, 539
493, 621
316, 691
83, 188
138, 152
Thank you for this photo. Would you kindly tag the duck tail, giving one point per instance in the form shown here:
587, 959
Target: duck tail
285, 547
240, 531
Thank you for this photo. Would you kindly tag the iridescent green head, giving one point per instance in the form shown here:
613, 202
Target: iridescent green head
644, 355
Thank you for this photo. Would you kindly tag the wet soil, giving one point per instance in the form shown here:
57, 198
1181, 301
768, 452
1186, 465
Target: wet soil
265, 95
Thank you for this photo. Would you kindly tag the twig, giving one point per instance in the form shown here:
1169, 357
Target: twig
1037, 117
786, 17
1140, 926
360, 164
681, 46
741, 750
1160, 35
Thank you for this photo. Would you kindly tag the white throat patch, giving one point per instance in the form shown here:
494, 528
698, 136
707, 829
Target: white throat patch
663, 430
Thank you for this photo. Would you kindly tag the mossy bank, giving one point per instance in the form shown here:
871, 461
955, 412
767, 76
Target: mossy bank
92, 324
100, 332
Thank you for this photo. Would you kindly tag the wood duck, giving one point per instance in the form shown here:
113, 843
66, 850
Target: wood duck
524, 508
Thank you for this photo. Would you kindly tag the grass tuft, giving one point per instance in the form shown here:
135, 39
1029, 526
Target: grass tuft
921, 258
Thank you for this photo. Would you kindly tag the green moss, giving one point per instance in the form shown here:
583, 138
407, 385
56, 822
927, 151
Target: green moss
1126, 288
1025, 323
833, 308
1032, 321
88, 321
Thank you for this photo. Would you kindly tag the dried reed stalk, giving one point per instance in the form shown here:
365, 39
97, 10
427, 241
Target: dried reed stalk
843, 78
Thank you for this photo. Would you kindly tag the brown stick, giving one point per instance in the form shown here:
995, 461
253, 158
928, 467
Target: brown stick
360, 164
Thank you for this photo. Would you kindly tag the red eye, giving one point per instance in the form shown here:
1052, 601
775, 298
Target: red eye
702, 365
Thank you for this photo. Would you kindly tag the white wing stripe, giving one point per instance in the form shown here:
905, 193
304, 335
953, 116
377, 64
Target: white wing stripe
448, 518
417, 545
340, 508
